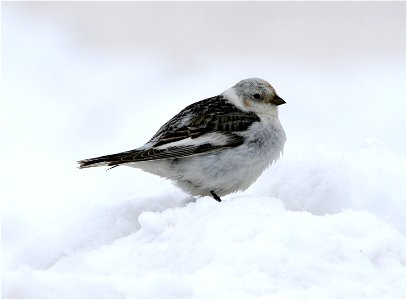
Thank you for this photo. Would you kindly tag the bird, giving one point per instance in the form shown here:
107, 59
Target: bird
213, 147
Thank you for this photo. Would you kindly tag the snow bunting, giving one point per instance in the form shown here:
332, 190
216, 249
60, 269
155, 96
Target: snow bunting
216, 146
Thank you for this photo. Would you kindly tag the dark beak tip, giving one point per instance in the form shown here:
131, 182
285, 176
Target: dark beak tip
278, 100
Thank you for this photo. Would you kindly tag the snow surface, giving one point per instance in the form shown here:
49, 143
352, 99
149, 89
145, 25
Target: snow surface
326, 221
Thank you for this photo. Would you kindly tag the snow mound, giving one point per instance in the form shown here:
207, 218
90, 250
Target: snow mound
242, 247
324, 181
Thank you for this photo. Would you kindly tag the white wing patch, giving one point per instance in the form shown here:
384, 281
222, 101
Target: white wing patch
214, 138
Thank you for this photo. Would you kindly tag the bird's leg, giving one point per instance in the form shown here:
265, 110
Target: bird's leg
216, 197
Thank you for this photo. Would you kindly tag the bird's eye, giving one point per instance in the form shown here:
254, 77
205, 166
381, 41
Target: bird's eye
256, 96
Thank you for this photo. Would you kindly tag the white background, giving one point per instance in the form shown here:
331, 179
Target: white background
82, 79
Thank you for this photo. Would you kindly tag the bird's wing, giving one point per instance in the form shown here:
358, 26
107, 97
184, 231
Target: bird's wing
214, 114
156, 153
208, 125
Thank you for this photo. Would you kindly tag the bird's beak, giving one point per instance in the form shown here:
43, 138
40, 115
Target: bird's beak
277, 100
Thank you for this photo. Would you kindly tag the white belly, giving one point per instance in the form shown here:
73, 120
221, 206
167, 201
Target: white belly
225, 171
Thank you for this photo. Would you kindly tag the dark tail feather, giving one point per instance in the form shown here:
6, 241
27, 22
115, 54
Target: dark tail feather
92, 162
112, 160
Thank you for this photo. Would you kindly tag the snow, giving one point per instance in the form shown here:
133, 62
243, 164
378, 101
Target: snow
247, 246
327, 220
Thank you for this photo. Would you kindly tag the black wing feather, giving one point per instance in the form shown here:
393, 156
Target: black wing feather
214, 114
154, 153
209, 115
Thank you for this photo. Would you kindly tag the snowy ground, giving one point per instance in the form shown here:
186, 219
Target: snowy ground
326, 221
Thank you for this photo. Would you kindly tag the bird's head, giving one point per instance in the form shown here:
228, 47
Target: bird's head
254, 94
258, 91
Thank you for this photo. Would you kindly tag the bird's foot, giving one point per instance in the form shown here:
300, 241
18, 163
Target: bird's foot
216, 197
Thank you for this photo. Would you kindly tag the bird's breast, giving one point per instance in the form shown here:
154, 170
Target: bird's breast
266, 137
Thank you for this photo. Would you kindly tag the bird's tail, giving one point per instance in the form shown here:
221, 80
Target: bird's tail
111, 160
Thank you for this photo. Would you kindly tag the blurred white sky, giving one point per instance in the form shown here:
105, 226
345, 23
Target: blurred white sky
312, 32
